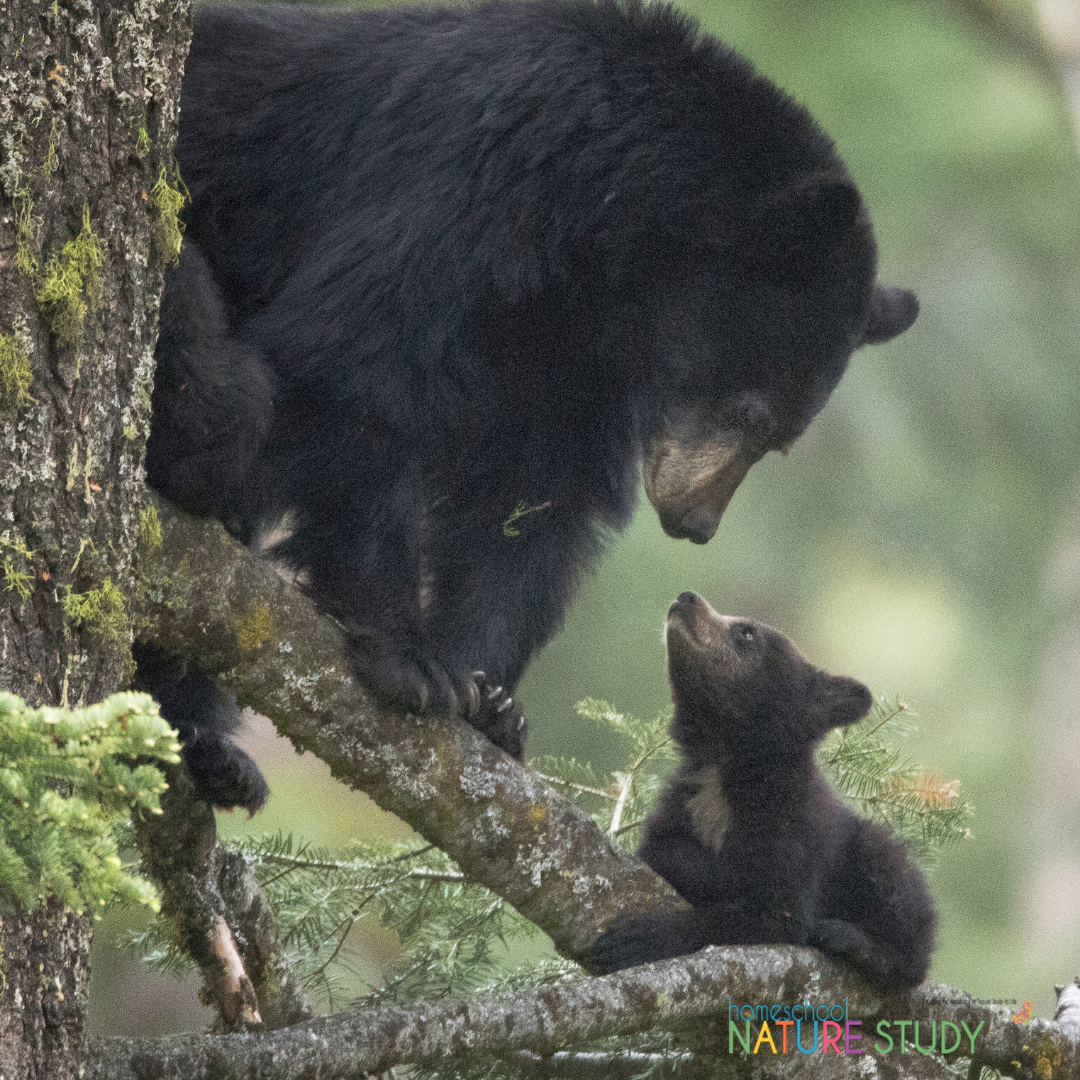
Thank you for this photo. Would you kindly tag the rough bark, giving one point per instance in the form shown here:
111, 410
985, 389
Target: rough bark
88, 104
212, 601
689, 995
44, 971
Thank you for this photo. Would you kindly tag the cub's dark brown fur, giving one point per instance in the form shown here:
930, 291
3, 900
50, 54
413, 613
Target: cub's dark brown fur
749, 832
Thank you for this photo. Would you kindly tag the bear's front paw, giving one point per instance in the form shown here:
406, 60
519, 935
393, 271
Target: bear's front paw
498, 717
407, 674
640, 939
627, 942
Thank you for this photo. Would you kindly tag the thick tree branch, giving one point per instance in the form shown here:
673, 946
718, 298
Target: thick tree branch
670, 994
212, 601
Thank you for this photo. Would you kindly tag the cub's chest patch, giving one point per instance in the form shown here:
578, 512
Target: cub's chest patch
710, 814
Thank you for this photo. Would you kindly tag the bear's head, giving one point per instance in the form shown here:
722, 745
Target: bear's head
742, 691
757, 339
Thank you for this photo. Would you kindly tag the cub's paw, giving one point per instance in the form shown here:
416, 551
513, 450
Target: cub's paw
223, 774
640, 939
627, 942
498, 717
888, 969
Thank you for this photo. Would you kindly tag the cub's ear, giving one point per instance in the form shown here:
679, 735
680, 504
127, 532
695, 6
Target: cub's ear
892, 311
841, 701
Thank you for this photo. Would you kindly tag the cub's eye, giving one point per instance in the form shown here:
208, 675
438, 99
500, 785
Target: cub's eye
746, 633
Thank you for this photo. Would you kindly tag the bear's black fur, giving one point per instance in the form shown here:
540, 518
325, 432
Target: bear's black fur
450, 274
747, 829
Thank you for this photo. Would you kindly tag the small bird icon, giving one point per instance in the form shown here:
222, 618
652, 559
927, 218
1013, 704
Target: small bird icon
1024, 1015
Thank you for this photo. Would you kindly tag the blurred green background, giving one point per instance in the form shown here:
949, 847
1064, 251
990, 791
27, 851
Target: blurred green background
923, 536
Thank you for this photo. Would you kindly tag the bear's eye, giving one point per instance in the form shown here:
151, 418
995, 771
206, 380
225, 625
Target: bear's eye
746, 633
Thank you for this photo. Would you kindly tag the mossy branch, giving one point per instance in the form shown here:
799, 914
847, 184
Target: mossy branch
217, 915
504, 826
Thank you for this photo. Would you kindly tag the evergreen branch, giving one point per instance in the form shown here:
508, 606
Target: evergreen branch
68, 781
620, 803
581, 788
883, 784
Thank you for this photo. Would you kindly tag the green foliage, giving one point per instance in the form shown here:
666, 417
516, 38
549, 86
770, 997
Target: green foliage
68, 781
887, 786
620, 804
15, 559
455, 933
101, 611
142, 144
70, 282
165, 202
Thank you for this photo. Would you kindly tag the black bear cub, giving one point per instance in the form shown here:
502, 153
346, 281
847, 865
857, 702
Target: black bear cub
749, 832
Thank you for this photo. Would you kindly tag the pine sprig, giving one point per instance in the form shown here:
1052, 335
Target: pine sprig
619, 804
68, 780
455, 934
885, 785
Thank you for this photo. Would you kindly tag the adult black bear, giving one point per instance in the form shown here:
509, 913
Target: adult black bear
450, 274
748, 831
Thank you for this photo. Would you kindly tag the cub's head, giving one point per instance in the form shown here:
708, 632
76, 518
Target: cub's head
741, 690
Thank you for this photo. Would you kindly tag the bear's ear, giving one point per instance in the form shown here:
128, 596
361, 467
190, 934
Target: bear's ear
892, 311
842, 701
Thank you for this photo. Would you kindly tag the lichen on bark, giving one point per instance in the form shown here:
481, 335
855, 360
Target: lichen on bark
79, 80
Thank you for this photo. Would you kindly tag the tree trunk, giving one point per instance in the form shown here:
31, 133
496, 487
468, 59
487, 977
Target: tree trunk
88, 106
43, 1003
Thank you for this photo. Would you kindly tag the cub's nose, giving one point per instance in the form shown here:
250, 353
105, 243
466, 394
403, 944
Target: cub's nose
686, 603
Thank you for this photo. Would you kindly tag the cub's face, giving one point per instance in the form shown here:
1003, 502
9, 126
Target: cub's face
739, 685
